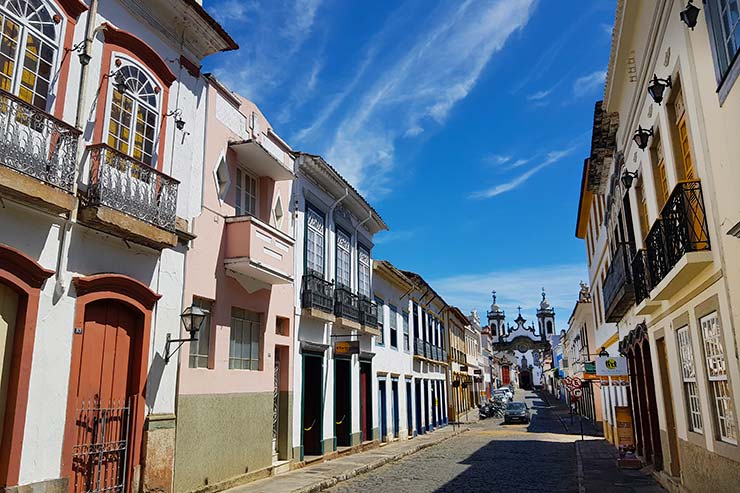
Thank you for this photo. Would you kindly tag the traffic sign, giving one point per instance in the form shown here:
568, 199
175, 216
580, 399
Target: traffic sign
576, 394
577, 382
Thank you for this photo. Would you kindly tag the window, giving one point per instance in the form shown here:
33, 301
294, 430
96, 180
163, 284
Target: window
661, 179
244, 348
363, 271
28, 49
132, 125
343, 259
723, 17
714, 355
200, 349
246, 194
642, 208
688, 373
381, 321
393, 324
415, 307
314, 241
687, 163
406, 340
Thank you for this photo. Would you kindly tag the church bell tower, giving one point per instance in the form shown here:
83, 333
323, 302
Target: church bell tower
546, 318
497, 321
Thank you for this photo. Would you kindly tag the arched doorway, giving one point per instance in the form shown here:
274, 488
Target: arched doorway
525, 380
105, 406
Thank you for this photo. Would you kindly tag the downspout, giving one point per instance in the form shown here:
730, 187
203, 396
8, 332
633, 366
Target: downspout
61, 265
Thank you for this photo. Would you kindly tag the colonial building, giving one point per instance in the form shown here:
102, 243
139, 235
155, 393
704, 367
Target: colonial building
334, 229
663, 144
526, 344
239, 270
459, 381
100, 172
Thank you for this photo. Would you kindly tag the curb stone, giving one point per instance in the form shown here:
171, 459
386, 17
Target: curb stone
344, 476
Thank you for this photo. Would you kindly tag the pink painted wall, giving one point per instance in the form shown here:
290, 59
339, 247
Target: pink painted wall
206, 277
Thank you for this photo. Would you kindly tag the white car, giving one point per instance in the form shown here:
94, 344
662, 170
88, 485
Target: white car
507, 391
502, 394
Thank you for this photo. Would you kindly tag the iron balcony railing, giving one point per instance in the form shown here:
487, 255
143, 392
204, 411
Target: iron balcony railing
368, 312
346, 304
317, 293
35, 143
123, 183
418, 347
427, 350
618, 290
641, 280
444, 355
682, 228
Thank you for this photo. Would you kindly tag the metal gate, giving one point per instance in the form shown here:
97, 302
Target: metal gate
100, 453
276, 409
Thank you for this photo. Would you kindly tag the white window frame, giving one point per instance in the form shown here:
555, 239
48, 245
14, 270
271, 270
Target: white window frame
242, 196
238, 361
126, 60
197, 357
406, 334
343, 262
688, 375
363, 270
319, 232
381, 321
57, 44
393, 326
716, 366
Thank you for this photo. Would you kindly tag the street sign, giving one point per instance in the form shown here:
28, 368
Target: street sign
611, 366
589, 367
346, 347
576, 394
577, 382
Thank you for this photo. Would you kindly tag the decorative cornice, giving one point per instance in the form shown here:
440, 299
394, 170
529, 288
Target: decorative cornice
141, 49
73, 8
23, 266
117, 283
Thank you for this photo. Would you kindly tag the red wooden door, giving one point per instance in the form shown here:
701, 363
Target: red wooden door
106, 372
505, 378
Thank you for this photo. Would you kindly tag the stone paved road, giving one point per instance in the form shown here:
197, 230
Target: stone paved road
490, 457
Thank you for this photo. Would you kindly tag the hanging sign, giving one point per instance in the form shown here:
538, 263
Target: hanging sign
611, 366
342, 348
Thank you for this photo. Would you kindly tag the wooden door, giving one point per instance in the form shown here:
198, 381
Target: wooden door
8, 316
505, 375
665, 383
105, 370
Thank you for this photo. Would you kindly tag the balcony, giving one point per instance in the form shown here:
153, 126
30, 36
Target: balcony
619, 289
317, 297
264, 157
678, 244
38, 156
130, 199
347, 308
258, 251
369, 316
418, 347
427, 350
444, 355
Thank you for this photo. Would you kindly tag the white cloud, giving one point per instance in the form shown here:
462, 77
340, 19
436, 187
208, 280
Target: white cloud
516, 287
497, 159
518, 163
413, 131
438, 70
550, 158
539, 95
392, 236
588, 83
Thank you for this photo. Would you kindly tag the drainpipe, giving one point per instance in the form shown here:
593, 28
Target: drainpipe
61, 265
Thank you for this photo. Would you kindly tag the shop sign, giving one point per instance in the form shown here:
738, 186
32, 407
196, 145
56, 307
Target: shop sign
611, 366
625, 434
589, 367
346, 347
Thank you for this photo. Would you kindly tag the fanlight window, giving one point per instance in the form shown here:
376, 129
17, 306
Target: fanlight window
132, 127
28, 49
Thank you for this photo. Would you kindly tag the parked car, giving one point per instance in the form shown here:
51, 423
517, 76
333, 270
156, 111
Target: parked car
509, 391
502, 394
516, 411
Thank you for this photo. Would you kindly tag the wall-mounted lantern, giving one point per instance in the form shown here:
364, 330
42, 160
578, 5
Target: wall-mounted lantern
657, 88
192, 318
642, 137
690, 15
627, 178
179, 122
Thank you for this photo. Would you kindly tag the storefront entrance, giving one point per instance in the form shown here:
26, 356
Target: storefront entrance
312, 392
342, 402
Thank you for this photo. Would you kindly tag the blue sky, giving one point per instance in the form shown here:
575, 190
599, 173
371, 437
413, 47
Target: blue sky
465, 124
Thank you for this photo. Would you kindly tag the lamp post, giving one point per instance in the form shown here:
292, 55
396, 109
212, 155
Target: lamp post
191, 318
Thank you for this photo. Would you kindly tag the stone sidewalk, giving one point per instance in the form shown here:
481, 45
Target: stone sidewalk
322, 475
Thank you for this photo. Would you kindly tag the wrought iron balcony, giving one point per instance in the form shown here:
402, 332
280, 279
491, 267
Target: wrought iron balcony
428, 350
418, 347
36, 144
619, 290
444, 355
681, 229
368, 312
125, 184
317, 293
346, 304
640, 277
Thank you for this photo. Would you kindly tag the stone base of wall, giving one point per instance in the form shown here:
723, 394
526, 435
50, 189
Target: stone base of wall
60, 485
223, 437
356, 439
158, 453
702, 470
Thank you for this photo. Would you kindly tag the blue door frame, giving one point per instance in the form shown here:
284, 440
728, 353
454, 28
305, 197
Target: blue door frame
383, 410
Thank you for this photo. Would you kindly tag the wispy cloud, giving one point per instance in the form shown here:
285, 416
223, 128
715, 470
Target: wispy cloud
259, 66
496, 159
394, 236
588, 83
550, 158
440, 68
606, 29
514, 288
539, 95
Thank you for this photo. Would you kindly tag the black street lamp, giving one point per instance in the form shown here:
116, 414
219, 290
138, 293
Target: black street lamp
657, 88
627, 178
690, 15
119, 82
642, 136
192, 318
